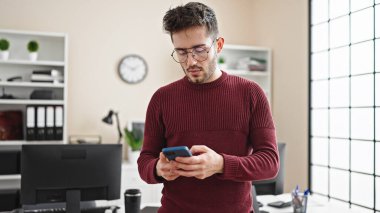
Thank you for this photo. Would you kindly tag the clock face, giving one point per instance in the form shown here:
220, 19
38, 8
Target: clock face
133, 69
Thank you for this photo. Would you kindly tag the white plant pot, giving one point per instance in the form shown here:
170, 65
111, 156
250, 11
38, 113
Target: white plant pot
4, 55
133, 156
33, 56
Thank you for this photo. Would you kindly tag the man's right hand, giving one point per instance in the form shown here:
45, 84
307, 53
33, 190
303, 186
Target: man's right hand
165, 168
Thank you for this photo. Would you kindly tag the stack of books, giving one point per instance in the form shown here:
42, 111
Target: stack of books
47, 76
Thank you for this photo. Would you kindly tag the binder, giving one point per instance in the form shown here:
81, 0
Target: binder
49, 123
41, 123
58, 122
30, 123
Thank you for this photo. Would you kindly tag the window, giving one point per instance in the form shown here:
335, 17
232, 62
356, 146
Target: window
344, 105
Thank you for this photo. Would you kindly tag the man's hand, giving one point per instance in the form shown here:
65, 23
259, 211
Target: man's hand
165, 168
206, 163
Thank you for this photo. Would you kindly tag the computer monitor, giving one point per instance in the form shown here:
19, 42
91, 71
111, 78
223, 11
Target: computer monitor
70, 173
273, 186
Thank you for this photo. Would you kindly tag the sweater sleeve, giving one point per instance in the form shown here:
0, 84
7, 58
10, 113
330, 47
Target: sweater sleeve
153, 142
263, 163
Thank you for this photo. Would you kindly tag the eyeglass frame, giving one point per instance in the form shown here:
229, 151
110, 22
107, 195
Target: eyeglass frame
192, 52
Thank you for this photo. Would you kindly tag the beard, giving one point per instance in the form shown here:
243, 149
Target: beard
205, 72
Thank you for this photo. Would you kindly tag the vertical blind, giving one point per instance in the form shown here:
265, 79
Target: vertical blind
344, 102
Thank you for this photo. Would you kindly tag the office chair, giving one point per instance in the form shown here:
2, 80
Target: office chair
273, 186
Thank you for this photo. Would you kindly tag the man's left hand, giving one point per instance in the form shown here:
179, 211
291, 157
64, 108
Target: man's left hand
203, 164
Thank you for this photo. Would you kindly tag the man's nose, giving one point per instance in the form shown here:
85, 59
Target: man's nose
190, 59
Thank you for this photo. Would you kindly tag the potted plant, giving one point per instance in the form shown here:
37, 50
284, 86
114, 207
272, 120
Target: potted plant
134, 139
222, 63
4, 47
33, 48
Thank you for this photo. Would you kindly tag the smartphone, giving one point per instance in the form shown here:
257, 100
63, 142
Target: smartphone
176, 151
280, 204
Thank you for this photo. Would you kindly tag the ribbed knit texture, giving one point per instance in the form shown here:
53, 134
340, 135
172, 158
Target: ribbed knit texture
230, 115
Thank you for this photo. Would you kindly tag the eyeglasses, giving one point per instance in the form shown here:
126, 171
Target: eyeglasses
199, 53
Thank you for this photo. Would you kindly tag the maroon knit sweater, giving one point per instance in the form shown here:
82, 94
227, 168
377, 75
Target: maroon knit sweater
230, 115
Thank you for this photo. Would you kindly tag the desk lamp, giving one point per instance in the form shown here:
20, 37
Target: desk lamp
108, 120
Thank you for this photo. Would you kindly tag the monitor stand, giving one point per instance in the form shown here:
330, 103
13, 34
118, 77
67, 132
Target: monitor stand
73, 201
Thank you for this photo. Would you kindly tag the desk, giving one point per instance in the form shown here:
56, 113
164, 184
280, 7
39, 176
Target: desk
313, 206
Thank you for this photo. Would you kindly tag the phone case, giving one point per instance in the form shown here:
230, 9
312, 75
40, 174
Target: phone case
177, 151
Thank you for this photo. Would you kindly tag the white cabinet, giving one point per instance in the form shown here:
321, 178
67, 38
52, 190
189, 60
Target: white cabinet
130, 179
52, 55
250, 62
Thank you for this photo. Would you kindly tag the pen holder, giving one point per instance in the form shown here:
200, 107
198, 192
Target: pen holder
299, 202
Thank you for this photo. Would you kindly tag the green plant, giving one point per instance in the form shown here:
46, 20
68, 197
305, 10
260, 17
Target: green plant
4, 44
33, 46
221, 60
134, 139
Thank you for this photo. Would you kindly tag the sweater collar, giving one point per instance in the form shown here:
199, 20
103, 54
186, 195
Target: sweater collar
211, 84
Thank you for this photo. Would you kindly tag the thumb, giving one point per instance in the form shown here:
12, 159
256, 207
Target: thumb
162, 157
199, 149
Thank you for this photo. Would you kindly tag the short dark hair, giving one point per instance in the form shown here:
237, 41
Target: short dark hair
190, 15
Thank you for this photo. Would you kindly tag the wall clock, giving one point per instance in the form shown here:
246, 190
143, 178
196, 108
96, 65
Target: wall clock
133, 69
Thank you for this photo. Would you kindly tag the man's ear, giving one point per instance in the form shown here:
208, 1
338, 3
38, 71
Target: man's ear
219, 44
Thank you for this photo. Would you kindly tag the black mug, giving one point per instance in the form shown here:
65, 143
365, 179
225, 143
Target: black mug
132, 200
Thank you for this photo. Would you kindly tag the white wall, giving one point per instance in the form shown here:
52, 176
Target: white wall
283, 26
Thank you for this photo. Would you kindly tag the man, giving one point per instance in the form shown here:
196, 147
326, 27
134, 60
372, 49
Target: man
224, 120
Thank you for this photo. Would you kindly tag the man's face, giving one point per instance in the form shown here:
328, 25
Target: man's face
193, 39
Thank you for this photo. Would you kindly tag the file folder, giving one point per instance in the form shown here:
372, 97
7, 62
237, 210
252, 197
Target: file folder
50, 123
41, 123
30, 123
58, 121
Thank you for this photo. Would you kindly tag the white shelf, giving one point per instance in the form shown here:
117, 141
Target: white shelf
10, 177
31, 102
22, 142
31, 84
247, 73
245, 47
32, 33
37, 63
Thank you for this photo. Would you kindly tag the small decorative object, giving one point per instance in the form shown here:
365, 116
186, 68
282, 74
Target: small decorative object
43, 94
33, 48
133, 69
108, 120
251, 64
221, 60
4, 47
5, 95
134, 139
222, 63
11, 125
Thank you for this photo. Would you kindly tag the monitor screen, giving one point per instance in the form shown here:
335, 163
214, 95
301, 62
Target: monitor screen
70, 173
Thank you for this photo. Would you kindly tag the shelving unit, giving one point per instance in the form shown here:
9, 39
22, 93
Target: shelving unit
237, 62
52, 54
